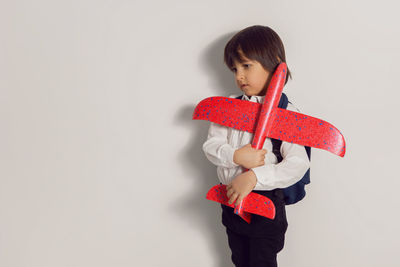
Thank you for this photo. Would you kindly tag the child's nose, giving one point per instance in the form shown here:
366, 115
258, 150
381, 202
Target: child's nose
239, 75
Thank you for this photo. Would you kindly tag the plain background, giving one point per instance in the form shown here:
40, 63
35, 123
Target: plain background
101, 164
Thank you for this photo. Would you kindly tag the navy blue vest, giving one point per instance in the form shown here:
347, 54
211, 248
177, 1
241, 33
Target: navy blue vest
296, 192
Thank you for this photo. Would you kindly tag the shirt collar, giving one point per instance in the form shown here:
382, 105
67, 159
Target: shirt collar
254, 98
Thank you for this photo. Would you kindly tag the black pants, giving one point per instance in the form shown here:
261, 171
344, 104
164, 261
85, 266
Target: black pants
258, 243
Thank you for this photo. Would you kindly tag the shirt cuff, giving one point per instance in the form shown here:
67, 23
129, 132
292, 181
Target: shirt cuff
263, 173
230, 152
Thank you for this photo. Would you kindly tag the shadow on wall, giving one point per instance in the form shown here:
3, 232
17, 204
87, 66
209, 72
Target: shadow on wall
201, 214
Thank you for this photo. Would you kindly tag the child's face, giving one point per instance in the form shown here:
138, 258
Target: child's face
250, 76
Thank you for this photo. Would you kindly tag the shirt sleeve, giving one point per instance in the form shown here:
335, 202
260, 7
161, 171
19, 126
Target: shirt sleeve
216, 147
290, 170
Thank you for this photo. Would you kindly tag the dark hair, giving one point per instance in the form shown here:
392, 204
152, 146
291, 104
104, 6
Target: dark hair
259, 43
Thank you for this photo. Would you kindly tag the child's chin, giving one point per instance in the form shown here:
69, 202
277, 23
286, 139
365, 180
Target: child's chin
247, 92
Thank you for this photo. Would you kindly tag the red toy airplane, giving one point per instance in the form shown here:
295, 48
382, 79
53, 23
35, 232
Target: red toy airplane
267, 120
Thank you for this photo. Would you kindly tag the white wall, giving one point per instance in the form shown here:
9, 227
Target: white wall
101, 164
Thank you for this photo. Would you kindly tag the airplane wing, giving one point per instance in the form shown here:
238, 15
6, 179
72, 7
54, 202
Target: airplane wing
288, 126
234, 113
252, 203
305, 130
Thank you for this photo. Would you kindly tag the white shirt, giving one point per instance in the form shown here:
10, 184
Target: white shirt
223, 141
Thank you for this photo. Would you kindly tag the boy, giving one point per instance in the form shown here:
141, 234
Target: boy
252, 55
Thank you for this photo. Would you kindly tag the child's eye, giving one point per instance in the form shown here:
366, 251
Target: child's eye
233, 69
246, 65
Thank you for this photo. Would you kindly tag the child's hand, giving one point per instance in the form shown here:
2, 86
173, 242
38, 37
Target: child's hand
241, 186
249, 157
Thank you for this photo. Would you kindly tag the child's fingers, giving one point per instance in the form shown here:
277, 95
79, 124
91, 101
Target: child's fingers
233, 198
239, 199
229, 192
